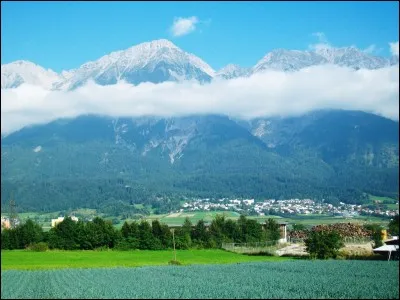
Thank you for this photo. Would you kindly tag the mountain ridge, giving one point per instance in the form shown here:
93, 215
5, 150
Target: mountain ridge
161, 60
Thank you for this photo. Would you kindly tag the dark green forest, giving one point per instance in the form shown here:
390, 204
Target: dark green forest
98, 233
89, 162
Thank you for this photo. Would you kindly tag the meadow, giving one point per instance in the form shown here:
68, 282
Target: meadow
301, 279
57, 259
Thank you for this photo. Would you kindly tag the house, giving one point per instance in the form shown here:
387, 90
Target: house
390, 249
282, 230
5, 223
54, 222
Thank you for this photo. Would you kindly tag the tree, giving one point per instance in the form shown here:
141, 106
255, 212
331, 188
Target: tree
125, 229
323, 244
161, 233
242, 227
394, 226
146, 239
200, 234
101, 233
253, 231
183, 235
29, 233
298, 227
216, 230
64, 235
376, 231
231, 231
6, 243
272, 231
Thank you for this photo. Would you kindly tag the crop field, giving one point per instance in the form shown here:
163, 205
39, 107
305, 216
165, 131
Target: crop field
290, 279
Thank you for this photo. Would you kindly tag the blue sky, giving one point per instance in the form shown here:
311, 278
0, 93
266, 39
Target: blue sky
64, 35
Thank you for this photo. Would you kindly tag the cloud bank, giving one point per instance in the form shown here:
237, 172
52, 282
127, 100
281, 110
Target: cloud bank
272, 93
394, 48
183, 26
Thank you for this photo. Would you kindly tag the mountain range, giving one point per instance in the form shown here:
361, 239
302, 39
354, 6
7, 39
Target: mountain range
160, 60
97, 161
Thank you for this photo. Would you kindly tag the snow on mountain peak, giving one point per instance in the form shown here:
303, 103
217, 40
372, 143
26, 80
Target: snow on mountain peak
157, 44
22, 71
154, 61
232, 71
293, 60
288, 60
160, 60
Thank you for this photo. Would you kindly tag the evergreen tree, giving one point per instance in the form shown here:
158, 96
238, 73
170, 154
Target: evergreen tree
64, 235
231, 231
217, 229
28, 233
200, 235
146, 238
272, 231
394, 226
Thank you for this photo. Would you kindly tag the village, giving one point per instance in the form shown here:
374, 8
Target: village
286, 207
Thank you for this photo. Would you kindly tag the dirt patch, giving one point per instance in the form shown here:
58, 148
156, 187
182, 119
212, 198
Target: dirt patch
357, 249
175, 215
293, 249
187, 215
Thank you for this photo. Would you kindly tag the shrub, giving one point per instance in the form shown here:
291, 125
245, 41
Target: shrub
323, 245
376, 230
123, 246
175, 262
394, 226
39, 247
102, 248
261, 253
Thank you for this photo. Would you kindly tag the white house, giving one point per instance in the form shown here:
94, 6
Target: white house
54, 222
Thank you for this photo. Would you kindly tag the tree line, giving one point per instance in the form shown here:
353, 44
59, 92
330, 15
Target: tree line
99, 233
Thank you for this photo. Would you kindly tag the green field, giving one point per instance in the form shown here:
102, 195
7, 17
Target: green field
27, 260
295, 279
310, 220
178, 218
378, 198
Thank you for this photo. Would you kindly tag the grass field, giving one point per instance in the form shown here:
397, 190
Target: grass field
296, 279
27, 260
378, 198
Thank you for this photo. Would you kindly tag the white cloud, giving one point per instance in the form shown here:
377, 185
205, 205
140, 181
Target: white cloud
394, 48
370, 49
323, 42
272, 93
321, 37
183, 26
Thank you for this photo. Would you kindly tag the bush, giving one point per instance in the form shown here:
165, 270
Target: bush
175, 262
376, 230
323, 245
123, 246
39, 247
102, 248
346, 255
261, 253
394, 226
